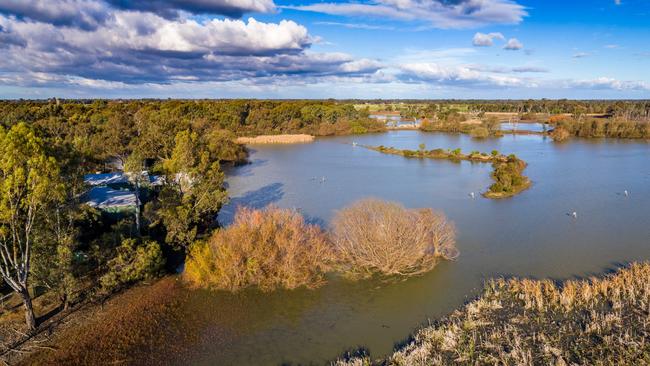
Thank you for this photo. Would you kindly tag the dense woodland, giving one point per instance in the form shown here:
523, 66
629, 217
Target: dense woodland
51, 241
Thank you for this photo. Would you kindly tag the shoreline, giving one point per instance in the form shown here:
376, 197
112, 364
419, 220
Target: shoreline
457, 156
276, 139
597, 320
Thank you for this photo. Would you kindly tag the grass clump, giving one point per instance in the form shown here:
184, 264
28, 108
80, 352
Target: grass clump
479, 132
600, 321
377, 237
268, 249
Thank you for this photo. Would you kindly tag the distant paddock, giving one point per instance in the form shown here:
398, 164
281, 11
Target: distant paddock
275, 139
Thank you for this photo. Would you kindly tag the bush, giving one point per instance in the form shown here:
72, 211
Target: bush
376, 237
479, 132
271, 248
560, 134
133, 263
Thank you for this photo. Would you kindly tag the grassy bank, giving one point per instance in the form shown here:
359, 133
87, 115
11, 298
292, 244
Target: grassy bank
507, 174
111, 332
600, 321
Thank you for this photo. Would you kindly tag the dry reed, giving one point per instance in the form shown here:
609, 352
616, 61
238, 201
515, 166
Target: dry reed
275, 139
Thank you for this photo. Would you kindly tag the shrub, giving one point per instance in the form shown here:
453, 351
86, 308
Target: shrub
133, 263
271, 248
560, 134
376, 237
479, 132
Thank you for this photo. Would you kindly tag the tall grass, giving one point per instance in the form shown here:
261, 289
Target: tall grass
600, 321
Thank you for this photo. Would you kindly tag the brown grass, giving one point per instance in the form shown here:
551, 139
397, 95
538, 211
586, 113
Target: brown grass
117, 332
377, 237
276, 139
600, 321
269, 249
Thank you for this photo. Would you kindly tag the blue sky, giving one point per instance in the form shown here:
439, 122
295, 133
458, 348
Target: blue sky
425, 49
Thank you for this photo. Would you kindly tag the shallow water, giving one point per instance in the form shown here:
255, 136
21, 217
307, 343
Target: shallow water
524, 126
528, 235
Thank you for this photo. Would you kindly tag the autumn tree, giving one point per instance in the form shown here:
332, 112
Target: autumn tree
29, 184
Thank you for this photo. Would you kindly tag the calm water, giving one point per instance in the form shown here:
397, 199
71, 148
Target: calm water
529, 235
524, 126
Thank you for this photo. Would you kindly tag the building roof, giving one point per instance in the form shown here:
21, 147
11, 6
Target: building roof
106, 197
105, 179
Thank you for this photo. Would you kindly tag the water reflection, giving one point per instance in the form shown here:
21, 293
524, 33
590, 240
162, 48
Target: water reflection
257, 199
529, 235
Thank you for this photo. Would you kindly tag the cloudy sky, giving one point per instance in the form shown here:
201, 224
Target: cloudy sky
325, 49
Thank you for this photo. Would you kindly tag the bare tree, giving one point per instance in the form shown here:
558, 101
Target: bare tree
373, 236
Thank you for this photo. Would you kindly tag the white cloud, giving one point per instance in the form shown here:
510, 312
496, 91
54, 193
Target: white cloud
438, 13
513, 44
610, 83
357, 25
486, 40
137, 48
455, 75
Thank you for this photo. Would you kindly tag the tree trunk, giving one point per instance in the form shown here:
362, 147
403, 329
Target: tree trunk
30, 318
137, 206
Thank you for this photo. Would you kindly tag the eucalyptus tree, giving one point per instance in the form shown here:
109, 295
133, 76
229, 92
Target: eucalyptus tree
29, 184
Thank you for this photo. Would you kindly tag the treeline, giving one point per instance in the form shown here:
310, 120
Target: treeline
623, 109
565, 127
241, 117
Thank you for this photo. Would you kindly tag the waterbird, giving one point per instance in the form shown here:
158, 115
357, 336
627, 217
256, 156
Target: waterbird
574, 214
322, 180
471, 194
626, 193
354, 143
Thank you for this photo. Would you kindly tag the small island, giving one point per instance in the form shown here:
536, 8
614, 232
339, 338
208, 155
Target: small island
507, 169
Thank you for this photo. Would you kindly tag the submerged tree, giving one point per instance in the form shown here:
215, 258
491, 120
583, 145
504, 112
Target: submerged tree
29, 183
377, 237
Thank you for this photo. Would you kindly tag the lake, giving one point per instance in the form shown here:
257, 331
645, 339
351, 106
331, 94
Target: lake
524, 126
531, 234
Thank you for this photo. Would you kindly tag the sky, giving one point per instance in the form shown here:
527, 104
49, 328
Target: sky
416, 49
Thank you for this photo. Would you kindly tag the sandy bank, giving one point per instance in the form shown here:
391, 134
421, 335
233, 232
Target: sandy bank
275, 139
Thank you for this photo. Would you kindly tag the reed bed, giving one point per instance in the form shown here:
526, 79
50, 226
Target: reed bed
599, 321
276, 139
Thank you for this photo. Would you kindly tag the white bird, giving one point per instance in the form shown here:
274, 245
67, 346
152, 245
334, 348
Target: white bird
471, 194
354, 143
626, 193
574, 214
322, 180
